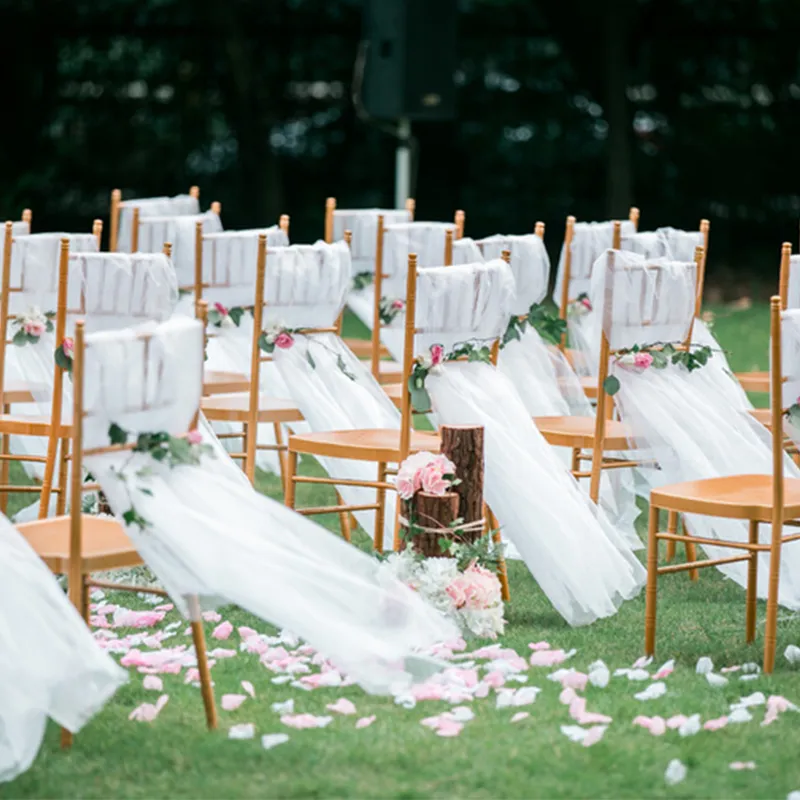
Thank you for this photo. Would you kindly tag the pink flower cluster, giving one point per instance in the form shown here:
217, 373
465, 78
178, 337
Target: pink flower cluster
475, 588
284, 340
68, 346
425, 471
34, 327
642, 360
221, 309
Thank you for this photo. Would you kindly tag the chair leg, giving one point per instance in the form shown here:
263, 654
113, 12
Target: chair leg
691, 554
344, 520
5, 466
771, 626
672, 527
199, 638
380, 511
47, 482
575, 465
652, 583
291, 471
502, 570
752, 586
66, 739
276, 427
61, 500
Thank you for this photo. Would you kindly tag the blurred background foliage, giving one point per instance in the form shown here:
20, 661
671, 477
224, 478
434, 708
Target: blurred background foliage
686, 108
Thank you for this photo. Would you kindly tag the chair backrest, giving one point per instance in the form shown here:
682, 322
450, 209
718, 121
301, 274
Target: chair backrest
789, 281
363, 225
152, 233
467, 251
121, 217
145, 380
530, 265
225, 262
451, 305
584, 242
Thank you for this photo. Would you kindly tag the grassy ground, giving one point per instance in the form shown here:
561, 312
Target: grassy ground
493, 758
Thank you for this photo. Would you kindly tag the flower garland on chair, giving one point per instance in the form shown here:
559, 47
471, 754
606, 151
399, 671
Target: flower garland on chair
550, 327
283, 338
221, 316
363, 279
64, 354
472, 351
390, 308
163, 448
657, 356
580, 306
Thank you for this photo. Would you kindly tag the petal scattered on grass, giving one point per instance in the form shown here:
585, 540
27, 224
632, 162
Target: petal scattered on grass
675, 772
365, 722
248, 687
223, 630
653, 691
704, 665
342, 706
230, 702
153, 683
716, 680
247, 730
519, 716
741, 765
270, 740
715, 724
147, 712
301, 721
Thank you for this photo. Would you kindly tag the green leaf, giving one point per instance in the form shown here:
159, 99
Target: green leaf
20, 338
611, 385
148, 492
267, 347
310, 359
659, 359
117, 435
132, 517
420, 400
62, 360
236, 315
214, 317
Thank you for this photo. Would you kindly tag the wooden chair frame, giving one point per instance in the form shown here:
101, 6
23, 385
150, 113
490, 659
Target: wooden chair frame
775, 511
10, 395
379, 454
274, 411
79, 564
116, 205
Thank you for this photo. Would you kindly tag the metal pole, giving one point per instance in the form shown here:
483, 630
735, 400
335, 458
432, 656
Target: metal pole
402, 164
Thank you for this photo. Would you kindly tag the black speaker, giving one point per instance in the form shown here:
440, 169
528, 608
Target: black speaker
409, 59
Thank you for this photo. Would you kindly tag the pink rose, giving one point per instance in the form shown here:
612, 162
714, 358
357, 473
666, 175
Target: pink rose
34, 327
456, 592
445, 464
284, 340
433, 480
643, 360
437, 354
398, 304
405, 486
586, 303
194, 437
221, 309
68, 346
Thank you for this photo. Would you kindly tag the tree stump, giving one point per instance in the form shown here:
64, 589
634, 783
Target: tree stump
463, 445
432, 511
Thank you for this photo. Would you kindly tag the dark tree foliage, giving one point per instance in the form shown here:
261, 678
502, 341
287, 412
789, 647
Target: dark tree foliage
686, 108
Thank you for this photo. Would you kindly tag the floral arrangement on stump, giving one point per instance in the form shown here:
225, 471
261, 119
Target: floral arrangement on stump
448, 561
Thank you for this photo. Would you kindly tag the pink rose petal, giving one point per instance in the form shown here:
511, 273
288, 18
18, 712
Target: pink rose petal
152, 682
222, 631
575, 680
211, 616
449, 728
539, 645
147, 712
673, 723
715, 724
594, 735
248, 687
578, 712
301, 721
519, 716
165, 607
342, 706
740, 765
365, 722
547, 658
230, 702
246, 632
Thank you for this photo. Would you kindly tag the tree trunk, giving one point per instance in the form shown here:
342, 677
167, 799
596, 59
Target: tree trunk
463, 445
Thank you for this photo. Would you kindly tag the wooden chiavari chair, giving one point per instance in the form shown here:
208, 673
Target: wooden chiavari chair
79, 544
383, 446
206, 260
591, 438
252, 408
337, 221
12, 393
117, 206
759, 499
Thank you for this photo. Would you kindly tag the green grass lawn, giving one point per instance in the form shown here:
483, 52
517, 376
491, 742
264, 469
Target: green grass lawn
397, 757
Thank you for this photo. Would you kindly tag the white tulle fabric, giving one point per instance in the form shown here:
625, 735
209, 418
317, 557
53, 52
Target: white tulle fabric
793, 294
180, 231
214, 537
108, 291
425, 239
363, 225
582, 565
50, 666
18, 229
180, 205
679, 418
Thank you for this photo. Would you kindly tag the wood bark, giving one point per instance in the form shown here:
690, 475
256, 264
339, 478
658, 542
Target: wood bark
463, 445
431, 511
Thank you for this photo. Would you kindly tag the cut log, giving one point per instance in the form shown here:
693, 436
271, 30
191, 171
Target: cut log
434, 512
463, 445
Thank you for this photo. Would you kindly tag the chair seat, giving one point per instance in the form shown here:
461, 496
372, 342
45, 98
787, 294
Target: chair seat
24, 392
389, 372
220, 382
578, 432
371, 444
235, 408
104, 542
362, 348
33, 425
394, 391
589, 386
754, 381
736, 497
